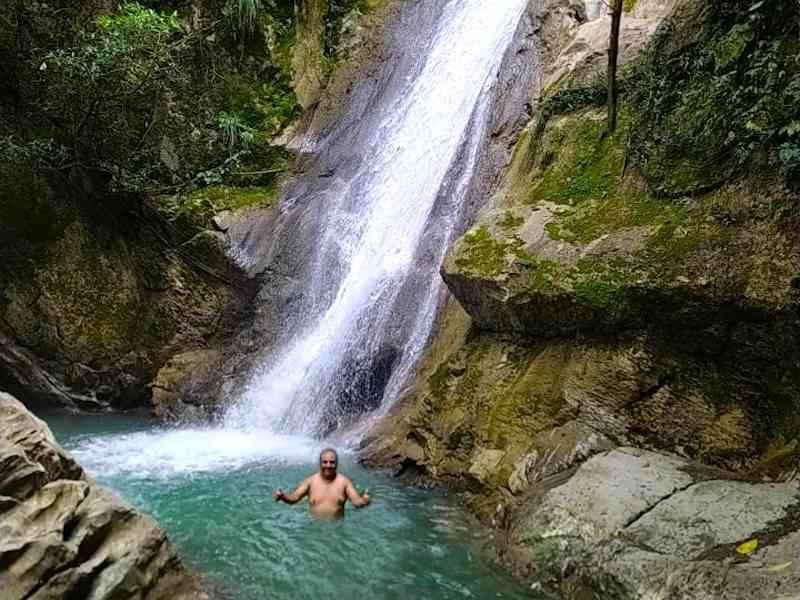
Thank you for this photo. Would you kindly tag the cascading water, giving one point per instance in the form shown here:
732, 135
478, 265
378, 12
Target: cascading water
385, 190
374, 283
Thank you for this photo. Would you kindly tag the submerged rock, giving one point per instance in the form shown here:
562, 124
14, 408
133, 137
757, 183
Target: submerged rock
64, 536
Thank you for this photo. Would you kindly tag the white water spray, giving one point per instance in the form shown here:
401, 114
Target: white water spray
376, 237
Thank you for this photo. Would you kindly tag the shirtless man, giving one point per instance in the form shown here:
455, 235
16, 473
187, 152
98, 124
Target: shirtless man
327, 490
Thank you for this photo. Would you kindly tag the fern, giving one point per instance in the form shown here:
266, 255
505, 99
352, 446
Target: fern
235, 133
245, 14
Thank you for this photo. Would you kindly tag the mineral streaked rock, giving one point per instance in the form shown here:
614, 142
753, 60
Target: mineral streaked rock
308, 53
633, 524
64, 536
556, 451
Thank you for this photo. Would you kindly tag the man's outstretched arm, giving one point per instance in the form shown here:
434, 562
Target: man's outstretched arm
297, 495
355, 498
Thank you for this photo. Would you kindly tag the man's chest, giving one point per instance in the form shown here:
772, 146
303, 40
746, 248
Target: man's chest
326, 493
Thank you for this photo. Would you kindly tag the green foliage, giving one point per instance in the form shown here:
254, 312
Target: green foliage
134, 22
105, 88
127, 49
267, 106
235, 134
244, 13
41, 151
727, 103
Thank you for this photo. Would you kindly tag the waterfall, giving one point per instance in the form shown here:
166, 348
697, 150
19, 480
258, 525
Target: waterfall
373, 287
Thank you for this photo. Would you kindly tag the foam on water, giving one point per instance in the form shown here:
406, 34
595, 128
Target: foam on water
175, 452
212, 493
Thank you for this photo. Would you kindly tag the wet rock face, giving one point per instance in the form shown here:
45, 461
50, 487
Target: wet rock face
308, 52
93, 301
631, 523
64, 536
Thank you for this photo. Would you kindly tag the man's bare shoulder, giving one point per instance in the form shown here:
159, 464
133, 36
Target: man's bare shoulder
343, 480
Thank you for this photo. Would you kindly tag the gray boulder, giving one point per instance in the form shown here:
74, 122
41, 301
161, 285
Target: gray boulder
632, 524
64, 536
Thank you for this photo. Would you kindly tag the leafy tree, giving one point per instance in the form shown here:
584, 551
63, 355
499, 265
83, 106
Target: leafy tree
106, 90
725, 104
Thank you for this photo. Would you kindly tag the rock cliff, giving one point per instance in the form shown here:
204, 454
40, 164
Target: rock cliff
630, 294
64, 536
130, 137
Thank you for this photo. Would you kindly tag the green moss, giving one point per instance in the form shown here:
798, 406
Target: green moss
438, 381
509, 221
592, 282
628, 5
561, 100
583, 169
579, 163
200, 206
602, 286
731, 47
485, 256
543, 276
553, 230
232, 198
629, 206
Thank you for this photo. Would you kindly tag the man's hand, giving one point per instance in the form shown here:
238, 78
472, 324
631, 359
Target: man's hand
357, 500
297, 495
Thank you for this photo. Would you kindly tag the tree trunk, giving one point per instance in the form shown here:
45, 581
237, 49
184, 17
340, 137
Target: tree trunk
613, 55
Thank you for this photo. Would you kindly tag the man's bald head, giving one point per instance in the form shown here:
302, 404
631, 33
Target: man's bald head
329, 451
328, 462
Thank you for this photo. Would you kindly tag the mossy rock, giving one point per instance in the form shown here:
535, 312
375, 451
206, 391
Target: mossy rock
511, 412
592, 250
87, 298
198, 208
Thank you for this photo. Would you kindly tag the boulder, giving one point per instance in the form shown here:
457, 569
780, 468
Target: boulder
632, 524
585, 251
178, 389
64, 536
576, 44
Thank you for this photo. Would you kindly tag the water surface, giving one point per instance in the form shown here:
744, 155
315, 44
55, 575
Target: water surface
211, 490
